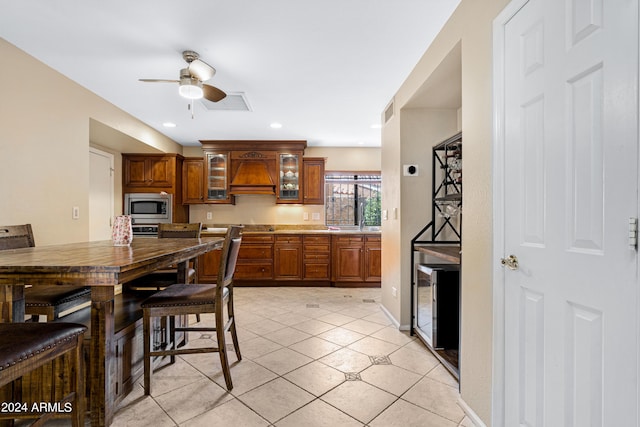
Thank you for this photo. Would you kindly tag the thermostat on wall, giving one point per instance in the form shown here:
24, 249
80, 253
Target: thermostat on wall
410, 170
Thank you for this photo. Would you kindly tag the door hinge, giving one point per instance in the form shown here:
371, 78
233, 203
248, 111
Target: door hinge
633, 233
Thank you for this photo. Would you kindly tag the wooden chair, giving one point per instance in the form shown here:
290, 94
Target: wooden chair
185, 299
161, 279
52, 301
25, 347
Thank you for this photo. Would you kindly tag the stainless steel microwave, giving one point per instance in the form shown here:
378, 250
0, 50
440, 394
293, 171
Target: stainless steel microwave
149, 208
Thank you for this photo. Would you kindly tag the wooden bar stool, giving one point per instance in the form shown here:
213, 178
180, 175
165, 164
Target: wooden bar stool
184, 299
25, 347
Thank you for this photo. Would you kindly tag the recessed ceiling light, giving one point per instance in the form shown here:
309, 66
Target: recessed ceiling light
275, 125
169, 124
376, 126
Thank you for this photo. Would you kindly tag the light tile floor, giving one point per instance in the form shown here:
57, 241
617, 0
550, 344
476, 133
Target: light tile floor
310, 357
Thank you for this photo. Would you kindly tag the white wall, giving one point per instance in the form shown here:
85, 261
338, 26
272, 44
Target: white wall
470, 27
45, 129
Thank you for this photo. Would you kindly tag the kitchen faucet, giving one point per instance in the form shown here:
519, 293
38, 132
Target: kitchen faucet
361, 216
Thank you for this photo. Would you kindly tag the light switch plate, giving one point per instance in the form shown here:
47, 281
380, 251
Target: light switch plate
75, 212
315, 216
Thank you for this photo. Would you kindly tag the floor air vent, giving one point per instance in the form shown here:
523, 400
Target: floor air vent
232, 102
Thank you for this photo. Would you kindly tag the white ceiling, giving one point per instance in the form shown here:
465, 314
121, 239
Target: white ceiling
323, 69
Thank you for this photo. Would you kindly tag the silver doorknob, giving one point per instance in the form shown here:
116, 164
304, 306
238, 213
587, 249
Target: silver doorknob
510, 262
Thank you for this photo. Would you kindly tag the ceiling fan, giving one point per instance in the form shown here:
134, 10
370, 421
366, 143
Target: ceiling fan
191, 78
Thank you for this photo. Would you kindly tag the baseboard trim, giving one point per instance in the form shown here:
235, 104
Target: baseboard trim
393, 320
475, 419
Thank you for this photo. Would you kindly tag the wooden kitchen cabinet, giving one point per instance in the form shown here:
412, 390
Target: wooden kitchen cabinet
149, 170
313, 183
287, 260
348, 260
372, 259
290, 177
316, 252
207, 180
216, 177
208, 266
255, 258
193, 181
356, 260
154, 173
301, 259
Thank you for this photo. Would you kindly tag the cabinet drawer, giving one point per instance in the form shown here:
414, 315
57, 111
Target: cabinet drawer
257, 238
349, 239
253, 271
316, 248
317, 239
316, 271
373, 239
255, 252
288, 239
319, 257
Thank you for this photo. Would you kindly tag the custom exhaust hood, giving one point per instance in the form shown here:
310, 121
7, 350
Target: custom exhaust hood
253, 177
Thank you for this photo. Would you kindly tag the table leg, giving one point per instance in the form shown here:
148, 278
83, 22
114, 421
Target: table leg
11, 303
183, 272
101, 366
11, 310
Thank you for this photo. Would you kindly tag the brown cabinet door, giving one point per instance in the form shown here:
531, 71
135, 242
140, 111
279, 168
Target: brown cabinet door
149, 171
208, 266
373, 262
347, 263
161, 171
193, 181
313, 184
288, 261
135, 172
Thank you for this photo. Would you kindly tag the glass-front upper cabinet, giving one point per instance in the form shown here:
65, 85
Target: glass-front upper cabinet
217, 178
290, 177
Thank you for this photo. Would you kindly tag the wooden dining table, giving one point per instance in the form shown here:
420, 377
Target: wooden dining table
101, 266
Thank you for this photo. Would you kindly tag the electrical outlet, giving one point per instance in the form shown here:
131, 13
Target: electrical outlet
305, 216
394, 292
209, 215
75, 212
385, 214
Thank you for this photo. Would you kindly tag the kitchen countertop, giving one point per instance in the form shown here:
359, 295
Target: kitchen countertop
220, 229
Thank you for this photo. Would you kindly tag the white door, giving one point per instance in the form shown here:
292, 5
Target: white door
100, 194
568, 118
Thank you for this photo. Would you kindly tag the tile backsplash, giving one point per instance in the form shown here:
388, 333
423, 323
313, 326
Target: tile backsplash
253, 209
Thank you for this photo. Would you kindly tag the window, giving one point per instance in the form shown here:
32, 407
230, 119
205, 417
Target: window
351, 196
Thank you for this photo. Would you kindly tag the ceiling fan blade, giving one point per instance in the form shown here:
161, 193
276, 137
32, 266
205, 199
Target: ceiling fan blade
212, 93
158, 81
201, 70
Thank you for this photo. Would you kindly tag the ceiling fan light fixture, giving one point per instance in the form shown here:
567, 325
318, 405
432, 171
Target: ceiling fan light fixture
201, 70
190, 88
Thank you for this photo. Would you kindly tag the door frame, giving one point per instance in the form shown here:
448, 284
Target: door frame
111, 157
498, 162
498, 188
